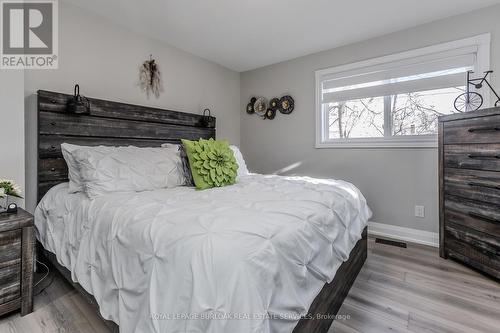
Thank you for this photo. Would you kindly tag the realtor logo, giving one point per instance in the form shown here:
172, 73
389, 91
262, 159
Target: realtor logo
29, 34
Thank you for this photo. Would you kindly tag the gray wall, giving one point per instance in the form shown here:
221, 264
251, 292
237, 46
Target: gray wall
11, 127
104, 59
393, 180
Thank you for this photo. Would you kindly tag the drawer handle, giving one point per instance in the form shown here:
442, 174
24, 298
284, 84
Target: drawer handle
483, 157
483, 217
495, 187
484, 129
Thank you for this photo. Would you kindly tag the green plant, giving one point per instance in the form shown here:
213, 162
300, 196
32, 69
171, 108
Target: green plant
8, 187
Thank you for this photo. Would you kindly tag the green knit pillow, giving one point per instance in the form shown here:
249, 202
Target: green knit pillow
212, 163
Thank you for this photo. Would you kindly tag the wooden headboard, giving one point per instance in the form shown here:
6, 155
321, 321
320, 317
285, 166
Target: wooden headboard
109, 124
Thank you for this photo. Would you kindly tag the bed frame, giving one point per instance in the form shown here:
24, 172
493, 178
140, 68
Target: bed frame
112, 123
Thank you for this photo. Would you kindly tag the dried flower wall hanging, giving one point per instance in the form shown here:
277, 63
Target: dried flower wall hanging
150, 78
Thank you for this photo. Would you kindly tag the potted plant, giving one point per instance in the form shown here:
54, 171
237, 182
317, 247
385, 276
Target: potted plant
8, 188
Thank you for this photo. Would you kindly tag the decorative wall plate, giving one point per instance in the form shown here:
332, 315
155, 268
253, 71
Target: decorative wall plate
260, 106
250, 109
274, 104
270, 114
287, 104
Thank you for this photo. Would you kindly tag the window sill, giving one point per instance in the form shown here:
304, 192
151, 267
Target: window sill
404, 142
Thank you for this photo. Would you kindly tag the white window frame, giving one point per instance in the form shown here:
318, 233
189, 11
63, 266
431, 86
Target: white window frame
482, 42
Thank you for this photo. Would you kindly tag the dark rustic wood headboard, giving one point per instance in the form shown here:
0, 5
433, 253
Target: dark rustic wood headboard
108, 124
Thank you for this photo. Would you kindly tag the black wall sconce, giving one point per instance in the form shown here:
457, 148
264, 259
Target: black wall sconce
78, 104
208, 120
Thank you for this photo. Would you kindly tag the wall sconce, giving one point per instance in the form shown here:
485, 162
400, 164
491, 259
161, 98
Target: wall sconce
78, 104
208, 120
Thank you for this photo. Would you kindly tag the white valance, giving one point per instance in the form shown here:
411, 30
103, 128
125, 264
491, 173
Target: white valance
427, 72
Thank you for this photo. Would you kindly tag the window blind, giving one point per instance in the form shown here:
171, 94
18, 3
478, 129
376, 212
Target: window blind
431, 71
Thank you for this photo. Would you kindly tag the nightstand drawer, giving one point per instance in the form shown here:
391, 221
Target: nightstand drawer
17, 250
10, 248
10, 283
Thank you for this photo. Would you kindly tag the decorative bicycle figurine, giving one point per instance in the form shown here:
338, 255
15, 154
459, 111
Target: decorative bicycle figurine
471, 100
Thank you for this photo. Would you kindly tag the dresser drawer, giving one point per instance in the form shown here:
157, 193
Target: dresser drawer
475, 130
10, 286
472, 156
473, 184
10, 248
482, 242
472, 256
479, 216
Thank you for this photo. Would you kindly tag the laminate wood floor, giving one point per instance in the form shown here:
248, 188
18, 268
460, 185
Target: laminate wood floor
398, 290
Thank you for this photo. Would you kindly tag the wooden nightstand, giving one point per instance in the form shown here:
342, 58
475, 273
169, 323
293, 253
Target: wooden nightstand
17, 250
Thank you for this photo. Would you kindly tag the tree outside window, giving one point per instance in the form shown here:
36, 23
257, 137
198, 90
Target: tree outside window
414, 113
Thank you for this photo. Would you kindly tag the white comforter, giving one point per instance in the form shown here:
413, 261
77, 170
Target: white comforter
245, 258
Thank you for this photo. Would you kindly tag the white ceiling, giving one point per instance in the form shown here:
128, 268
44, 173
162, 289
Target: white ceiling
244, 35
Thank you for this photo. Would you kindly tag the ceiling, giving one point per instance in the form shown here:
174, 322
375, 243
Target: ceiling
244, 35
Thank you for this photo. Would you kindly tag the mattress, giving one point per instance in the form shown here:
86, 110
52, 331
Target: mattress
244, 258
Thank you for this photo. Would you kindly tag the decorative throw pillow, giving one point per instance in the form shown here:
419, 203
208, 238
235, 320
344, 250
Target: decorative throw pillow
212, 163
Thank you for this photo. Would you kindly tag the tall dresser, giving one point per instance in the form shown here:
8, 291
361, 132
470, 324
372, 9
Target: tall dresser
469, 189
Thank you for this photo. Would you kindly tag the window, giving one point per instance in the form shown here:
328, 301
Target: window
395, 101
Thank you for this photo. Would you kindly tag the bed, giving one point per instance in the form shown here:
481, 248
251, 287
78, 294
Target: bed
268, 254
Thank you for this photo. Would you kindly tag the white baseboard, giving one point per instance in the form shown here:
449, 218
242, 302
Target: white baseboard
404, 234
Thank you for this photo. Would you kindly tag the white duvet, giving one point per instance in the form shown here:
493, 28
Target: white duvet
244, 258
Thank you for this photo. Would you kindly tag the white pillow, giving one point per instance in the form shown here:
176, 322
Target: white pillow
242, 166
75, 181
174, 146
128, 169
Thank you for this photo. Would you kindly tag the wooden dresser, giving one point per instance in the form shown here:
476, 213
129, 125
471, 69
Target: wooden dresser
17, 244
469, 189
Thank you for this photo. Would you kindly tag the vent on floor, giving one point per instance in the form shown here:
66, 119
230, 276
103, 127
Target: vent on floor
390, 242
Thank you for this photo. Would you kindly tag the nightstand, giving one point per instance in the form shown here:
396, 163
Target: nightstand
17, 250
